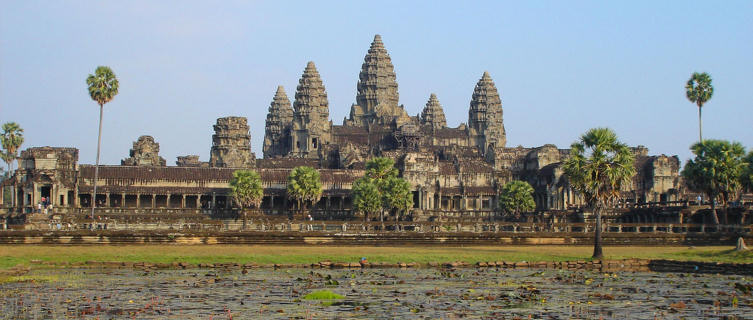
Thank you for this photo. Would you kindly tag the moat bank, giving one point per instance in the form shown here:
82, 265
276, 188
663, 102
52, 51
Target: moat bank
364, 239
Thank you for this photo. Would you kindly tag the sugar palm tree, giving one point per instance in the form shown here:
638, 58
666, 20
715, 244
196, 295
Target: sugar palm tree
103, 86
717, 171
12, 137
598, 167
699, 91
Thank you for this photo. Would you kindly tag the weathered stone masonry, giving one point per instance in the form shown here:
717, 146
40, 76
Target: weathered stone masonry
454, 172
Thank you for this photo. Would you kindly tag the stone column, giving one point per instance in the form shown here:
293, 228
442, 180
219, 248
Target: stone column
154, 201
138, 200
198, 201
182, 201
214, 199
167, 204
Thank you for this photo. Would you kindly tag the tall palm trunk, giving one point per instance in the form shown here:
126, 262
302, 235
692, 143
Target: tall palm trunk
598, 254
96, 167
714, 216
700, 124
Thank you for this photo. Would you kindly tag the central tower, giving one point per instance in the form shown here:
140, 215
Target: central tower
377, 97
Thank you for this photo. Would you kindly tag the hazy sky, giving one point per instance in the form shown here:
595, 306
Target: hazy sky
562, 67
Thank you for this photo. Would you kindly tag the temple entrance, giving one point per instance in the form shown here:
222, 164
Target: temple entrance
45, 191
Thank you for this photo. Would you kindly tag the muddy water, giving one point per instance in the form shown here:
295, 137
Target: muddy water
371, 293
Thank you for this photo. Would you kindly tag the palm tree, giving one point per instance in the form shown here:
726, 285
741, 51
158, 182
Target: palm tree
304, 186
103, 86
598, 167
717, 170
246, 189
12, 138
699, 91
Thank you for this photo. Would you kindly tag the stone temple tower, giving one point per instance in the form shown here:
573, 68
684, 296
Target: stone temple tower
277, 128
433, 115
312, 129
485, 125
231, 144
377, 97
145, 152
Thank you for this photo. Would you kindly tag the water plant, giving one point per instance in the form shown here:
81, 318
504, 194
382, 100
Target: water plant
323, 295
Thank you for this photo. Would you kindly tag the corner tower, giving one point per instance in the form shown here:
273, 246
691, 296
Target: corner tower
311, 126
231, 144
278, 124
485, 125
377, 97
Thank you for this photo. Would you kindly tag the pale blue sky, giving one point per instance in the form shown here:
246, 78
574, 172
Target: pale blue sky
562, 67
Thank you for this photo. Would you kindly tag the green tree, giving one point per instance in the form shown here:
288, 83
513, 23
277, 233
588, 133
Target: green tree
747, 177
699, 91
381, 168
8, 159
598, 166
397, 195
304, 186
716, 171
394, 192
367, 198
246, 188
12, 137
103, 86
516, 197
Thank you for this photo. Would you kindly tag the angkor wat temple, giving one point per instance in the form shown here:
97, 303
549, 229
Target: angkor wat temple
454, 172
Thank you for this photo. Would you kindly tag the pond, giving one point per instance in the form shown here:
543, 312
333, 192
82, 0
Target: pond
429, 293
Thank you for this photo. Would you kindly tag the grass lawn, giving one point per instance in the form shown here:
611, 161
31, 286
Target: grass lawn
11, 255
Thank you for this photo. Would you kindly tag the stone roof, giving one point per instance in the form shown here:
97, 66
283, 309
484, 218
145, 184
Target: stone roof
126, 176
450, 133
286, 163
447, 168
433, 114
475, 166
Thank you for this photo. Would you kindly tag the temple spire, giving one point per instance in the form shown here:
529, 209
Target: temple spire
485, 115
377, 97
276, 130
433, 114
311, 126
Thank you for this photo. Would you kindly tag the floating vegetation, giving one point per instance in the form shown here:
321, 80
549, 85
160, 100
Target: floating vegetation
323, 295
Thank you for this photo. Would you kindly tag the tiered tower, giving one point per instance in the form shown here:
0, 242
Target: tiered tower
277, 128
485, 125
377, 98
145, 152
311, 126
231, 144
433, 115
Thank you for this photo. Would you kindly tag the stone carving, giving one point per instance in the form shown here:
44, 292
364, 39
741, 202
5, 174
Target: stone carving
191, 160
312, 128
377, 97
145, 152
277, 129
433, 115
231, 144
486, 127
